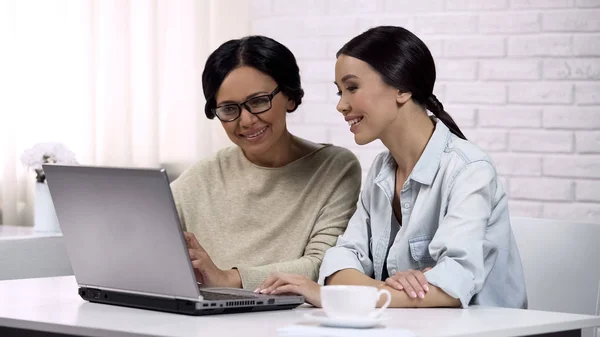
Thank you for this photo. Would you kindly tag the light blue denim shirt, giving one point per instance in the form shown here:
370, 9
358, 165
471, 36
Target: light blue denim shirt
454, 218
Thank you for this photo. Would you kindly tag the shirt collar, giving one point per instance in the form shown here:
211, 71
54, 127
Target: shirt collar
429, 162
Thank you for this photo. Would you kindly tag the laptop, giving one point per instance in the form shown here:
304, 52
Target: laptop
126, 245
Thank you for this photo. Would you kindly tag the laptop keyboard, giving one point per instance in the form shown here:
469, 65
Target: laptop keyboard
212, 296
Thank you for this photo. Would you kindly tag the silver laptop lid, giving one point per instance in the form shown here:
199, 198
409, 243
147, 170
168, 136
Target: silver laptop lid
121, 229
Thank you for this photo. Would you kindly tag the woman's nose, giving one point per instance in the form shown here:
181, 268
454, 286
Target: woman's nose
343, 107
247, 118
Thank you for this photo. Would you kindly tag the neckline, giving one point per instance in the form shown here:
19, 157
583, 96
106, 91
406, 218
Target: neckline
292, 163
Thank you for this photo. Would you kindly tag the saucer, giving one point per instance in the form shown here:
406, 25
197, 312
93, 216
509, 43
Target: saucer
342, 322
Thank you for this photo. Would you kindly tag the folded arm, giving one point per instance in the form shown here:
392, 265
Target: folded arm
400, 299
458, 244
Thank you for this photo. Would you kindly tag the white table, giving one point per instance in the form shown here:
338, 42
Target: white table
25, 253
53, 306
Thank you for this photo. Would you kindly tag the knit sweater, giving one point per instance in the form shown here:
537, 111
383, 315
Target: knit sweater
261, 220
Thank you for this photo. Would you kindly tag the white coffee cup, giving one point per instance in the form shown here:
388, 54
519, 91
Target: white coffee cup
353, 301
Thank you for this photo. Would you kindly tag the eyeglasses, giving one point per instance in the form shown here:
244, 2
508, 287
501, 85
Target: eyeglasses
255, 105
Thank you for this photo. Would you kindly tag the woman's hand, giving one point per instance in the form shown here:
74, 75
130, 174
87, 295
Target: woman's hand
280, 283
413, 282
207, 273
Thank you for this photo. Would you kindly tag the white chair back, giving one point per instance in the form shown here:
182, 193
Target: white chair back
560, 261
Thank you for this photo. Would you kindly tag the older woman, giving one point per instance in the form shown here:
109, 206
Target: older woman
273, 202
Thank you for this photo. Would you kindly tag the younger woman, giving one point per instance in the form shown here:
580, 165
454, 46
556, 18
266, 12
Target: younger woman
432, 223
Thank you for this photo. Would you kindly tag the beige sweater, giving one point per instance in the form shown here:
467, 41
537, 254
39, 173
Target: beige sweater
262, 220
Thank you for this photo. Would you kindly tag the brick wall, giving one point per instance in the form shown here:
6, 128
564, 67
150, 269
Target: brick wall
521, 77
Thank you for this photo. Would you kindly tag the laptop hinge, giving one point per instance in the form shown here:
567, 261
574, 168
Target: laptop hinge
200, 298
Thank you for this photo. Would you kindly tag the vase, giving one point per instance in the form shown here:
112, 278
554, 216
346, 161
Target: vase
44, 215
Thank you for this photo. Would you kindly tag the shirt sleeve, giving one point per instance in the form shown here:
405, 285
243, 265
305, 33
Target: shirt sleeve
331, 222
352, 248
458, 244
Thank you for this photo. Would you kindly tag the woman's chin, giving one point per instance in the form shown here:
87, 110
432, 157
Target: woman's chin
253, 151
362, 139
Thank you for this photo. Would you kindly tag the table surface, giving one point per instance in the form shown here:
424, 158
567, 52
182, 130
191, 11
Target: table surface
52, 304
8, 232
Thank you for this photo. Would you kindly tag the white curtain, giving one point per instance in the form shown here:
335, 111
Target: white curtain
117, 81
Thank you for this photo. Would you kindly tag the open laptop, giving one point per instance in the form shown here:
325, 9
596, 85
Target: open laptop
126, 245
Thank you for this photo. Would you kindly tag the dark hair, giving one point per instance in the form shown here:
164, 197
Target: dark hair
404, 62
259, 52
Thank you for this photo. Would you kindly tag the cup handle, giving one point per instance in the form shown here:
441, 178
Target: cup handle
378, 312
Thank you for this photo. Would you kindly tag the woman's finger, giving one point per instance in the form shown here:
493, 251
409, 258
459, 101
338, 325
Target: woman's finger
191, 241
406, 285
268, 281
394, 284
422, 280
194, 254
414, 283
275, 285
197, 264
288, 288
198, 275
284, 279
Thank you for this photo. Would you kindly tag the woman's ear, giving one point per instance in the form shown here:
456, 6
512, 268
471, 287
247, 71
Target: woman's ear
403, 97
290, 105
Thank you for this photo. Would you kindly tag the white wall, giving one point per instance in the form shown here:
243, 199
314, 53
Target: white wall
520, 77
118, 82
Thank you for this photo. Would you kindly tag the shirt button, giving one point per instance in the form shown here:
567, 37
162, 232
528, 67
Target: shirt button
406, 205
393, 271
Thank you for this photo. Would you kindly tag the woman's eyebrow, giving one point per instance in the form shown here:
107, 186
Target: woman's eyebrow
345, 78
247, 97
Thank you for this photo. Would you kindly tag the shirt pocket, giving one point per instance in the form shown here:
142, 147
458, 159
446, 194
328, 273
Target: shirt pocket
419, 251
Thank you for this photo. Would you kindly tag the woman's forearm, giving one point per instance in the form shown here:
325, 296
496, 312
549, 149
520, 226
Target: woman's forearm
352, 277
435, 297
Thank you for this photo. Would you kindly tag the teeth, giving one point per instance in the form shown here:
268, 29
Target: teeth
354, 121
256, 134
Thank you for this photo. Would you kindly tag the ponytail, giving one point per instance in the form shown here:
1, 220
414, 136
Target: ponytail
435, 106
